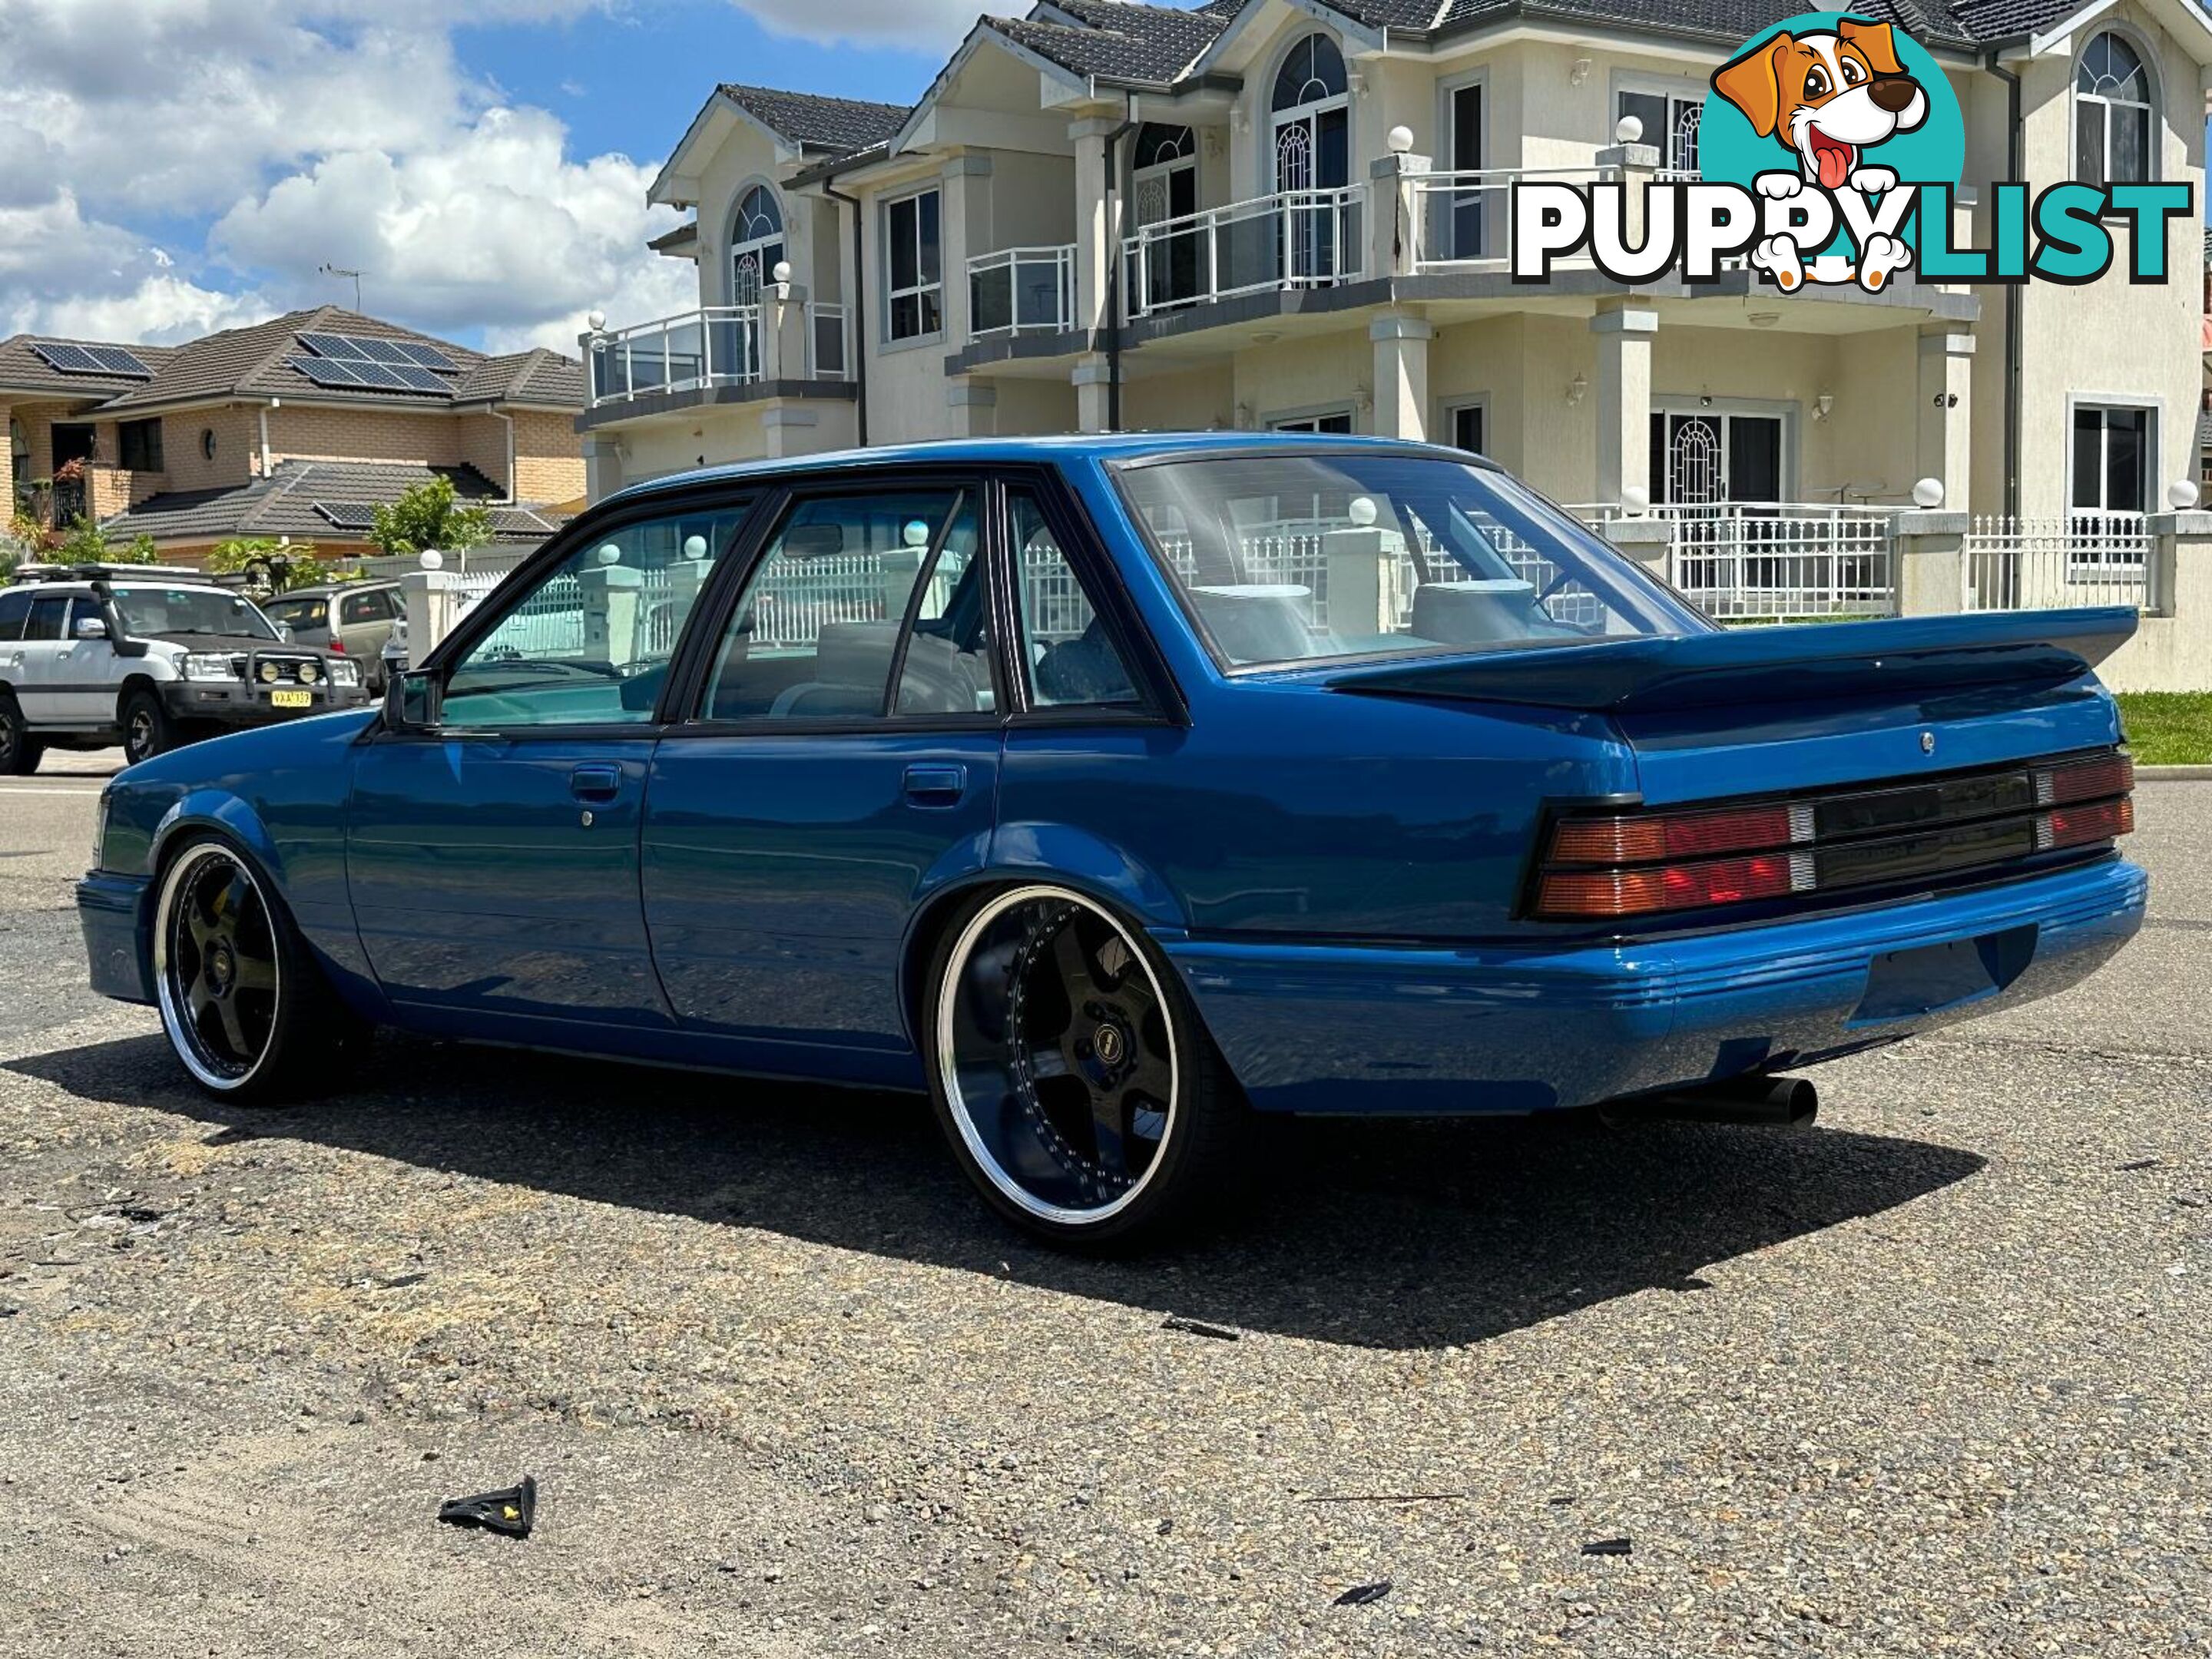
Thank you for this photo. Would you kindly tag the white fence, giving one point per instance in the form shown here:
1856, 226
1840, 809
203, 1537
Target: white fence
2043, 564
1295, 239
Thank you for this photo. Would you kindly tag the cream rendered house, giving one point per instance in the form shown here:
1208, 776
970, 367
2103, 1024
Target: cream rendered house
1114, 214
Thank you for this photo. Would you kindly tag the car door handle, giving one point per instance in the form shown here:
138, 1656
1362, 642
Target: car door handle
595, 783
936, 785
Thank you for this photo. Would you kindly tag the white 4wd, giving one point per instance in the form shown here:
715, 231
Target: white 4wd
147, 656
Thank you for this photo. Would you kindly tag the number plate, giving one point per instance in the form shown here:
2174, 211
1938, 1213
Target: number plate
291, 699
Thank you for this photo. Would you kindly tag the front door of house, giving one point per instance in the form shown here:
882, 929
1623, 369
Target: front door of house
1703, 458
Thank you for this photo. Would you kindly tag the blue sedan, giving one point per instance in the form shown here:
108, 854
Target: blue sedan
1114, 790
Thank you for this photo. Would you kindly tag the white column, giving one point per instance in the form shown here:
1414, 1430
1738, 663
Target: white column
603, 474
1624, 330
789, 428
611, 593
1929, 550
1401, 374
1944, 449
1395, 233
975, 406
1633, 166
434, 604
1095, 233
1093, 403
967, 231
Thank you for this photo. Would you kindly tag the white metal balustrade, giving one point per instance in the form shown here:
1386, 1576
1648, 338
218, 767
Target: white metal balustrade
1464, 219
1292, 239
2084, 559
1022, 291
719, 345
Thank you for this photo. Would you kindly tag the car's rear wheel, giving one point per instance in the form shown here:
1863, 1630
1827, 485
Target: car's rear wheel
246, 1010
20, 752
1071, 1074
148, 731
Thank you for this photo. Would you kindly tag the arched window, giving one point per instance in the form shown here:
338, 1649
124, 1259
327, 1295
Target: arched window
756, 244
1312, 138
1312, 74
2111, 113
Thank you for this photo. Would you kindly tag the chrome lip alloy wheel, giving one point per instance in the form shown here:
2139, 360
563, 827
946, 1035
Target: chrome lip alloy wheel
1058, 1055
215, 966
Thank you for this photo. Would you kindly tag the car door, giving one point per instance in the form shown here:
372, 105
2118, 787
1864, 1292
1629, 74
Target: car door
85, 683
14, 610
493, 860
841, 764
36, 673
364, 623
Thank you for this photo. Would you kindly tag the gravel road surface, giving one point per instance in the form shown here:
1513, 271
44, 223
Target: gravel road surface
1930, 1378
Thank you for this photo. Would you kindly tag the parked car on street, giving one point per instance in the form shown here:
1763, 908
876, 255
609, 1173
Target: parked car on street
1116, 788
149, 657
352, 618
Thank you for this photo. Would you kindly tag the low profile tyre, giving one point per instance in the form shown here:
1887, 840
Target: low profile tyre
20, 752
148, 731
246, 1008
1072, 1075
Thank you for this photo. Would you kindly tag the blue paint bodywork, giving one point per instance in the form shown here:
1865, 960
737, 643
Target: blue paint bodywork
1333, 856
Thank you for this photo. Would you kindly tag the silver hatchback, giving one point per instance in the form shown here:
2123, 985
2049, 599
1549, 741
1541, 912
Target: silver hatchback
354, 618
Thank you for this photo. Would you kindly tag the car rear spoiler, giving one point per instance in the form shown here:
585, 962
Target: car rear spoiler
1906, 656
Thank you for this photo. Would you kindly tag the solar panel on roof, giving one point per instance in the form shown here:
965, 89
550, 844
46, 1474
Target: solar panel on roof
326, 371
381, 352
117, 361
323, 372
421, 380
338, 346
68, 359
377, 374
347, 515
429, 357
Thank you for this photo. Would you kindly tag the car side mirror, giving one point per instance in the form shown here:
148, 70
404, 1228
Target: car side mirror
91, 628
412, 701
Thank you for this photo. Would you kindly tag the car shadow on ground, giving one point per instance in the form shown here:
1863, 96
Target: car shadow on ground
1384, 1234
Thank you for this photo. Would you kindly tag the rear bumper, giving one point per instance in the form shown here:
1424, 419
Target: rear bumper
113, 911
1320, 1027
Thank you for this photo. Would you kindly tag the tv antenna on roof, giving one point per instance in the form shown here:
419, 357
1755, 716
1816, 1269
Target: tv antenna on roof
330, 270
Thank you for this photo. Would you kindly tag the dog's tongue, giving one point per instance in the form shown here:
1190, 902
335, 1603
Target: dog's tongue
1835, 164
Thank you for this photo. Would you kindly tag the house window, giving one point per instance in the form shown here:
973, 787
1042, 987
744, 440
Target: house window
915, 255
1336, 421
140, 444
1468, 430
1670, 125
1311, 109
756, 245
2111, 459
2111, 113
1700, 456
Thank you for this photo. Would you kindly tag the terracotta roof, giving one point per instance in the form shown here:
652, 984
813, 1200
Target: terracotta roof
1122, 39
289, 502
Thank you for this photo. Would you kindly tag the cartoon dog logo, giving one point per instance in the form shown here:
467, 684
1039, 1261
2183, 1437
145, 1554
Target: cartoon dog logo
1828, 98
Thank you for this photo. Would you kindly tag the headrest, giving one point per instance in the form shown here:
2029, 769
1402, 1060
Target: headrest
1473, 613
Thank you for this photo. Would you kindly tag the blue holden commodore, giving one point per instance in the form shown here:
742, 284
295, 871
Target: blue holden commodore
1115, 789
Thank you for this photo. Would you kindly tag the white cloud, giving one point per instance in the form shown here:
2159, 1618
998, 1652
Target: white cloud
305, 131
925, 25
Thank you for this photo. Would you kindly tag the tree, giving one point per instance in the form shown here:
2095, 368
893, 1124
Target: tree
84, 543
272, 567
428, 515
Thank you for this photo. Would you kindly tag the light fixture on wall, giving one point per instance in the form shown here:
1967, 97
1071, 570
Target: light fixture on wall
1577, 389
1363, 398
1243, 417
1823, 405
1579, 71
1945, 400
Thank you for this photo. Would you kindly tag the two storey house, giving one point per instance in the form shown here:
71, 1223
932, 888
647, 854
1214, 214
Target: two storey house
1293, 213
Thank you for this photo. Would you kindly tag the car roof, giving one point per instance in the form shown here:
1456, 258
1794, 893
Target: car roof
67, 588
1110, 446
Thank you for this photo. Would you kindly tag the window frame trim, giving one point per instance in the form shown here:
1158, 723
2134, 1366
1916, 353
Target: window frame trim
2153, 105
892, 294
2153, 409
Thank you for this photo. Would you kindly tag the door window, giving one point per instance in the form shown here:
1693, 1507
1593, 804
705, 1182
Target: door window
1466, 227
356, 608
589, 641
49, 617
1071, 657
1670, 125
1699, 458
13, 607
852, 589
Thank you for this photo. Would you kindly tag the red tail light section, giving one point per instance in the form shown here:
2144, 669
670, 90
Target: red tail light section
1644, 863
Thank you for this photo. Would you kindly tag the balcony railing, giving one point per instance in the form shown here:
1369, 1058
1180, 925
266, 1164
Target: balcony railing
1022, 291
1297, 239
695, 349
1464, 220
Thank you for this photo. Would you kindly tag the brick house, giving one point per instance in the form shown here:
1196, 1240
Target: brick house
299, 427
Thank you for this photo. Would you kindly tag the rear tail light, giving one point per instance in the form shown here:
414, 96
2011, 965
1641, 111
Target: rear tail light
336, 645
1642, 864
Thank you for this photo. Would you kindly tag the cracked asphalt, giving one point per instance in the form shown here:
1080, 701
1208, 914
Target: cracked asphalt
1929, 1378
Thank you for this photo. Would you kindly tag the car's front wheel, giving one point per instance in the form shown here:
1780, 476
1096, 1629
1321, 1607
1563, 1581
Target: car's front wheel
246, 1008
20, 752
148, 731
1072, 1075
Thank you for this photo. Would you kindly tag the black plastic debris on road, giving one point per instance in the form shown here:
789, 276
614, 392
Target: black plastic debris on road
1360, 1595
2139, 1163
1608, 1546
511, 1512
1198, 1328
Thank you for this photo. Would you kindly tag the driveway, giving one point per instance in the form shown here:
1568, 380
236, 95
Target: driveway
1930, 1377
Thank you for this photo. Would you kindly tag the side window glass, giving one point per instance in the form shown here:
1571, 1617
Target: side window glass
588, 642
13, 607
817, 631
1070, 655
48, 612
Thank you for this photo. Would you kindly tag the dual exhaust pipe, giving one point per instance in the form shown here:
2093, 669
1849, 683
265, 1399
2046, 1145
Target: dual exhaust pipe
1776, 1103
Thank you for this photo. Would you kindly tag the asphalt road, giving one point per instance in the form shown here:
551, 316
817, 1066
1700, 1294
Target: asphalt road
1930, 1378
